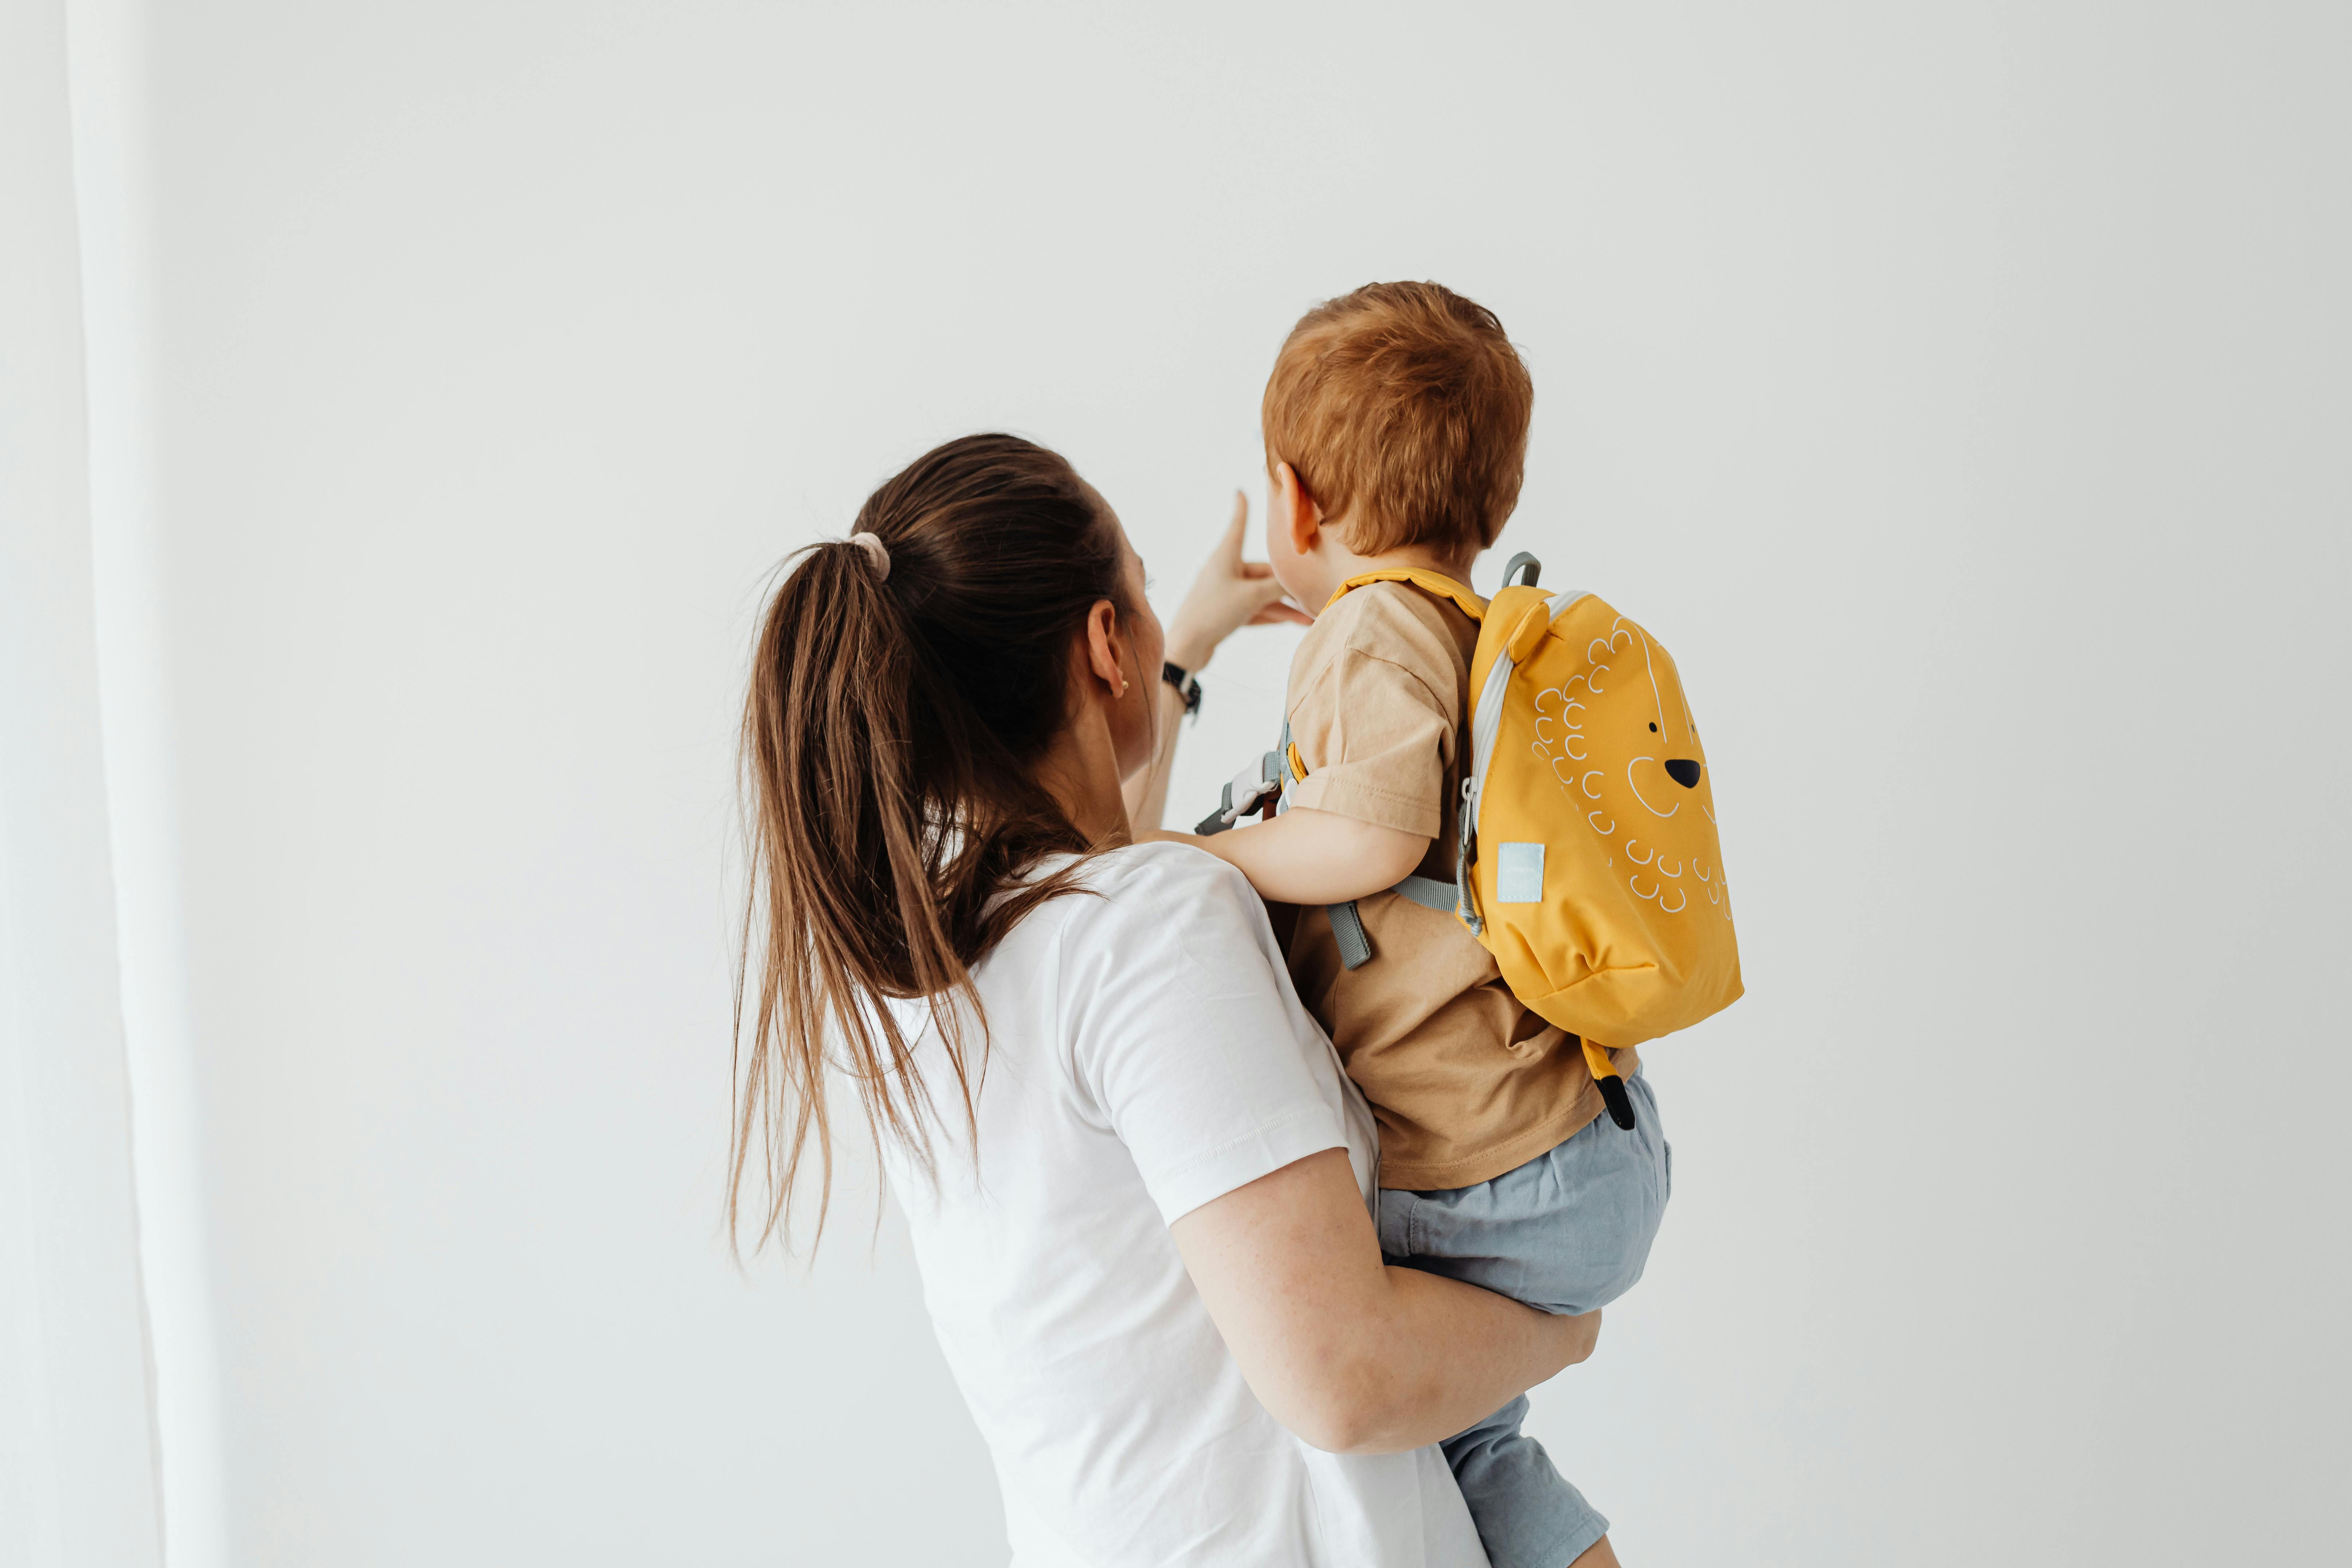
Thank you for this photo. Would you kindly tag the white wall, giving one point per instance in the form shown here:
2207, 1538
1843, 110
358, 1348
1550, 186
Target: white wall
78, 1476
1960, 391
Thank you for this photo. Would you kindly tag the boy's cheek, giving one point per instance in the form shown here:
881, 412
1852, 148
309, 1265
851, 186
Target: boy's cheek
1278, 548
1286, 572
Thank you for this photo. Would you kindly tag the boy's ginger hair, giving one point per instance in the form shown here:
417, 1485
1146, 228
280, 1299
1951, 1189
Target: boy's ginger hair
1403, 410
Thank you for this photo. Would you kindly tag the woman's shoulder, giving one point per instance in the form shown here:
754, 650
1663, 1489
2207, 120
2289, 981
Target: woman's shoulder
1140, 874
1134, 921
1159, 903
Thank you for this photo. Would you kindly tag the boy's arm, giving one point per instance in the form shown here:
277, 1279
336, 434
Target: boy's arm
1309, 856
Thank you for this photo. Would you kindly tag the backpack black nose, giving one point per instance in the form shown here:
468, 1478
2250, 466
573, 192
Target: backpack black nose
1684, 771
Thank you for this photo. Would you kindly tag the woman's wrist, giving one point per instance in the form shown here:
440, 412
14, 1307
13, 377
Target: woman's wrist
1190, 651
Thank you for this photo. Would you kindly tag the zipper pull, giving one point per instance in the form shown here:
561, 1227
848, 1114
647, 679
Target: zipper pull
1465, 852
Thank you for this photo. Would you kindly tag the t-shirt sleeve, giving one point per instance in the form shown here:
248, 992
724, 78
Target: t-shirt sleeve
1376, 724
1185, 1032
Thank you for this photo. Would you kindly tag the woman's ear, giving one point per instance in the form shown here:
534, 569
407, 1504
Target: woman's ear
1107, 654
1297, 517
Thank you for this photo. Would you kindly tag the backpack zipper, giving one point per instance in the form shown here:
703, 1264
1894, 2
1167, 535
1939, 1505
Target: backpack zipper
1483, 731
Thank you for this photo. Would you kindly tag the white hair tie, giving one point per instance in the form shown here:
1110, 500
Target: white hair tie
872, 544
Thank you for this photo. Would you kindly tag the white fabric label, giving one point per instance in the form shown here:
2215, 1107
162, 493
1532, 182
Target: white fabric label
1518, 873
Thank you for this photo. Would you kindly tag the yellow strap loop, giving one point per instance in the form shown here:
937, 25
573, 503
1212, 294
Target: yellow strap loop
1436, 584
1597, 1058
1529, 634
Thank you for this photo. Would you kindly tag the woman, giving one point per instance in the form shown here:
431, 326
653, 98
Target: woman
1137, 1182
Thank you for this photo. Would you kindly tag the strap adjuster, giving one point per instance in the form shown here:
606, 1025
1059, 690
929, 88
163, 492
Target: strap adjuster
1246, 792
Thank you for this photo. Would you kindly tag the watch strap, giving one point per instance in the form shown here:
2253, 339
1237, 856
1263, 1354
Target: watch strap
1187, 685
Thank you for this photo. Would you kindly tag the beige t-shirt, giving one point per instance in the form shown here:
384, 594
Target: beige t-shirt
1466, 1082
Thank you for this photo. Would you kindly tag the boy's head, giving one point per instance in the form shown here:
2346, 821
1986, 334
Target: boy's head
1403, 410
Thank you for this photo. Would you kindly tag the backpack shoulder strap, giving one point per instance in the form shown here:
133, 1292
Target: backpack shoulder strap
1437, 584
1348, 922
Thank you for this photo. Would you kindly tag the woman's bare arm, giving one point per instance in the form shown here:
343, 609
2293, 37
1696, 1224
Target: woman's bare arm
1352, 1355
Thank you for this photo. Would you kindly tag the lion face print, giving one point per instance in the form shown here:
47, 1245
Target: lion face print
1619, 739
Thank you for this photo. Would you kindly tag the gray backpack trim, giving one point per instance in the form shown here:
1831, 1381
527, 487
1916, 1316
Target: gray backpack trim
1348, 925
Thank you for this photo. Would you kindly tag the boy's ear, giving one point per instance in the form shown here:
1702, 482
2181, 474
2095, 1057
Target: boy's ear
1304, 519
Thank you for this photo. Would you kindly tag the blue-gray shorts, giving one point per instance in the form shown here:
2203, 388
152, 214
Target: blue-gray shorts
1568, 1231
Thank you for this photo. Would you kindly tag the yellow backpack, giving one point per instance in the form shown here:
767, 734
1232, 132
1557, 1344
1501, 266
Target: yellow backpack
1587, 862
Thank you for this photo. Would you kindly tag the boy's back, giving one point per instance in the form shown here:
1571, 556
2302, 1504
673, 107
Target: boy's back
1466, 1082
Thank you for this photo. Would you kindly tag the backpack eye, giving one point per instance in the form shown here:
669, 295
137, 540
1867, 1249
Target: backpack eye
1654, 729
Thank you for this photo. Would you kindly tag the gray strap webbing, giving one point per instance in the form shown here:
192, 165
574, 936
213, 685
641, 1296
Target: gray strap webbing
1348, 926
1429, 893
1355, 947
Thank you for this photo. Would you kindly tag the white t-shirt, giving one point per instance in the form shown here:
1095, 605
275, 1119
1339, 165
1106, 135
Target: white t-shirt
1147, 1055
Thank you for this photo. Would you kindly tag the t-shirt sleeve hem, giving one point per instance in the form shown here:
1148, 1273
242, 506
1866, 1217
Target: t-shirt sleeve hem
1329, 791
1239, 1161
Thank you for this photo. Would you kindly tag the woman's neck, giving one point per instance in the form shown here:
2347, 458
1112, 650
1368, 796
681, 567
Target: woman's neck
1081, 772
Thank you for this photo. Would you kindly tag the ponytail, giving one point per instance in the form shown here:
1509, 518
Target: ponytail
903, 683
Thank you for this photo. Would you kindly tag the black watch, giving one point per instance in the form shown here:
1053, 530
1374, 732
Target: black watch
1188, 686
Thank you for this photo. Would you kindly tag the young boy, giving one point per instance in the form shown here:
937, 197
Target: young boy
1396, 428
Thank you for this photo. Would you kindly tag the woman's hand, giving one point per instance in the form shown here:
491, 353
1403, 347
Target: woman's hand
1229, 593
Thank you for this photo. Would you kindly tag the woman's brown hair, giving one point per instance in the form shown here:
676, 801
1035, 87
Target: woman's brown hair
889, 735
